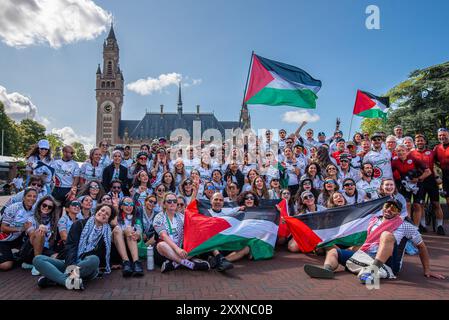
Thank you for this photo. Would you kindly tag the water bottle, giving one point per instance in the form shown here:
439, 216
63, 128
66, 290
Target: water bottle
150, 258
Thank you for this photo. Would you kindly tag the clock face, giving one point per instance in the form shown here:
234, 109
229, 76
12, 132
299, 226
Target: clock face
108, 108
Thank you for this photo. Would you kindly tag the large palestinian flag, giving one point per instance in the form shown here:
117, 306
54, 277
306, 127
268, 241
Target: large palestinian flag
368, 105
345, 225
255, 227
275, 83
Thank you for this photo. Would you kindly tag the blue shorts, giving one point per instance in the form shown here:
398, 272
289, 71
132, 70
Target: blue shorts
394, 262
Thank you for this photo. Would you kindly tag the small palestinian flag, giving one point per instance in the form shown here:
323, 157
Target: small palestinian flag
275, 83
345, 225
231, 230
368, 105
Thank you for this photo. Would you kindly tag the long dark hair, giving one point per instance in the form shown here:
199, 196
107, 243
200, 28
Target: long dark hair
121, 216
318, 170
113, 210
172, 186
323, 158
85, 190
241, 198
34, 151
314, 191
54, 214
136, 182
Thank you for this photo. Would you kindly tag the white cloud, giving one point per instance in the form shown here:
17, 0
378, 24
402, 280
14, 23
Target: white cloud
69, 136
56, 22
17, 106
150, 85
300, 116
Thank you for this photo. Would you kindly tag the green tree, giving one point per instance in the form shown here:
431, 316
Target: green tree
30, 132
11, 135
56, 144
422, 102
372, 125
80, 154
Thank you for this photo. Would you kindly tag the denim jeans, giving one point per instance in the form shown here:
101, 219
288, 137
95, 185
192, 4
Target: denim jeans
54, 269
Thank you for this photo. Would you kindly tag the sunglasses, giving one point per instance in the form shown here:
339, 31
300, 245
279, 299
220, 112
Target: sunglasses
94, 187
128, 204
75, 204
151, 201
392, 207
329, 181
348, 185
377, 139
181, 204
286, 193
443, 130
249, 198
160, 190
104, 145
308, 197
210, 188
43, 149
116, 187
36, 185
47, 206
171, 201
142, 158
106, 198
187, 183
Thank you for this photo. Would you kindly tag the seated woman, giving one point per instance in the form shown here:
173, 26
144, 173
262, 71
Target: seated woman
95, 190
313, 172
148, 215
88, 248
42, 232
71, 214
169, 227
307, 185
181, 205
260, 189
126, 234
308, 206
330, 186
275, 189
86, 206
186, 190
336, 200
37, 183
351, 193
15, 221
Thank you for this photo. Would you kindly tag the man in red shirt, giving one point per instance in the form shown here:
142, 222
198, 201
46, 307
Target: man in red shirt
409, 172
341, 148
442, 158
429, 185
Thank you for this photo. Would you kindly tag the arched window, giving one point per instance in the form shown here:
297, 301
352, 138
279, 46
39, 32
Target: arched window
102, 84
108, 84
113, 84
110, 67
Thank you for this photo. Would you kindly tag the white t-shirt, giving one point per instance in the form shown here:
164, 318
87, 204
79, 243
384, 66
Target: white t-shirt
190, 164
65, 172
89, 172
381, 162
369, 187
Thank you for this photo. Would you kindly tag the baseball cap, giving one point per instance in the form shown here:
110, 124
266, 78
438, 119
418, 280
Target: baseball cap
350, 144
340, 140
320, 134
376, 135
345, 156
338, 131
43, 144
162, 139
396, 203
141, 153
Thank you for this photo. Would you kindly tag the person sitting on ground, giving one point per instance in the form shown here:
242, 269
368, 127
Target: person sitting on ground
385, 243
72, 213
330, 186
169, 227
87, 249
351, 193
15, 221
126, 234
35, 182
95, 190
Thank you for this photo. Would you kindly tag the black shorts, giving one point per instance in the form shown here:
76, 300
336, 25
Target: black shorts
60, 193
409, 196
6, 249
429, 187
446, 182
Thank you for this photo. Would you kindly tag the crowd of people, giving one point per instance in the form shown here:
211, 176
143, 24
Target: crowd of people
104, 214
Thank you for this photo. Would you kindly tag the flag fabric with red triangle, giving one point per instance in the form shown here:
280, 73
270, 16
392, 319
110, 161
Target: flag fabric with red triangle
368, 105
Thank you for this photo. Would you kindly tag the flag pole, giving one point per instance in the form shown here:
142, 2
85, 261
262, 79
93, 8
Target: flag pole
350, 127
247, 77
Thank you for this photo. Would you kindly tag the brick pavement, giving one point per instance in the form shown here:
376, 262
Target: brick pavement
279, 278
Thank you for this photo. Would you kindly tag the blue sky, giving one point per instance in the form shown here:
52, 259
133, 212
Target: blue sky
212, 41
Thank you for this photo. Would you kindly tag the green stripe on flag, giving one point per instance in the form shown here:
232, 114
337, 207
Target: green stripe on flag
355, 239
259, 248
373, 113
301, 98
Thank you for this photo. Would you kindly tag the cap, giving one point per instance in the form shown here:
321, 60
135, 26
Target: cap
321, 134
141, 153
162, 139
43, 144
348, 179
396, 203
117, 151
340, 140
338, 131
376, 135
345, 156
350, 144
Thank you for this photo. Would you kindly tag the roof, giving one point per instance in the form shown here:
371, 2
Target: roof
161, 125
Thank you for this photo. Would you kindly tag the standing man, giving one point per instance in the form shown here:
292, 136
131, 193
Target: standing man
429, 185
282, 140
442, 158
127, 161
308, 142
380, 158
67, 175
399, 133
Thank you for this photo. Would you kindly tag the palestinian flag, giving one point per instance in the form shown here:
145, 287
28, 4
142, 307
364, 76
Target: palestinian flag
368, 105
275, 83
234, 230
345, 225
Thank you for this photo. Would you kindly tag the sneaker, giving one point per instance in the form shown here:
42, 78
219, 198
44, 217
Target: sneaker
127, 270
422, 229
167, 266
27, 266
138, 269
34, 272
44, 282
212, 262
440, 231
367, 275
200, 265
74, 283
223, 264
318, 272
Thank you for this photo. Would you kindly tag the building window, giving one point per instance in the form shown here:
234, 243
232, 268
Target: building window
113, 84
110, 67
102, 84
108, 84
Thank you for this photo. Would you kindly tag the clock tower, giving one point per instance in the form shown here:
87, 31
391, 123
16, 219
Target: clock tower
109, 92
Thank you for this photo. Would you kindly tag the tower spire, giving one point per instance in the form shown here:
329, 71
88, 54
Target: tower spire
179, 100
111, 34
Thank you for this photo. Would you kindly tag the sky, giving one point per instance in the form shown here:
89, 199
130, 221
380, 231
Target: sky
49, 51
